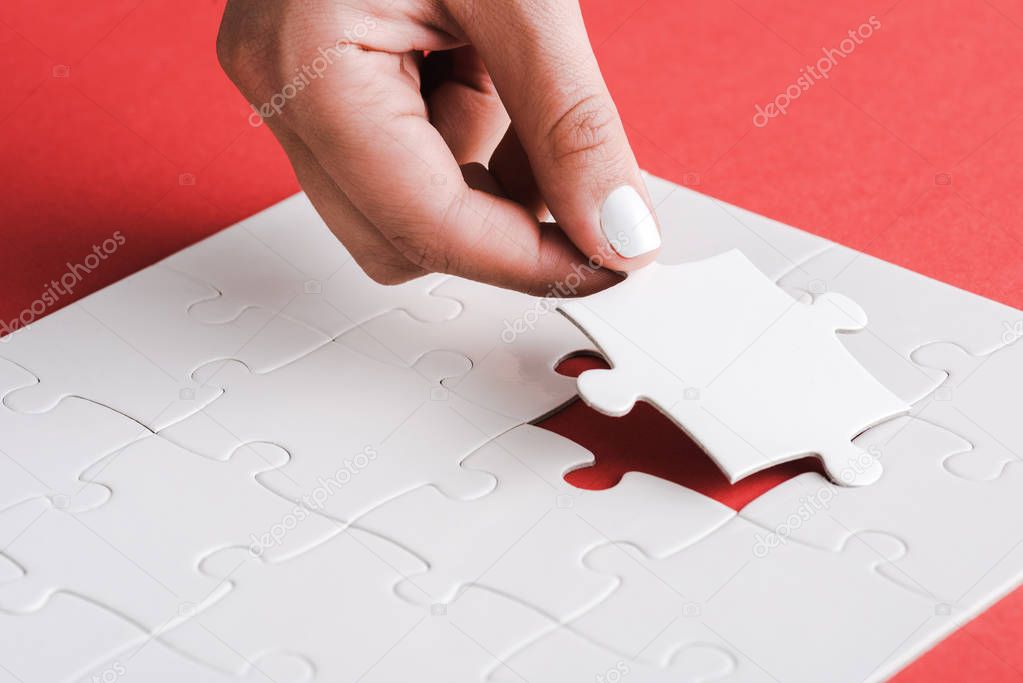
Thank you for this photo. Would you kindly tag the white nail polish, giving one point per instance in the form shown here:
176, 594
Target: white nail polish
628, 223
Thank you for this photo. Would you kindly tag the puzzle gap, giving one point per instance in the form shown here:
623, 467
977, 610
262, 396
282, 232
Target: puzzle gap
669, 453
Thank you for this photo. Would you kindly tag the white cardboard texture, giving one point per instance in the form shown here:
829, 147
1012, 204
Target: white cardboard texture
334, 605
702, 226
150, 313
719, 591
970, 402
887, 292
514, 341
294, 266
73, 353
945, 546
151, 661
529, 535
59, 553
359, 432
41, 455
66, 637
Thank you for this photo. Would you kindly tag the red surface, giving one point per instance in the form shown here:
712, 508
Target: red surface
647, 441
114, 116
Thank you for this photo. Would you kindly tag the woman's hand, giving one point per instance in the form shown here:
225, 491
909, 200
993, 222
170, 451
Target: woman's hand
410, 159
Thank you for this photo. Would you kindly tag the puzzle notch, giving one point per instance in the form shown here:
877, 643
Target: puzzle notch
968, 402
346, 625
297, 269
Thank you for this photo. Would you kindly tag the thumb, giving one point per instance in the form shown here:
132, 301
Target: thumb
568, 125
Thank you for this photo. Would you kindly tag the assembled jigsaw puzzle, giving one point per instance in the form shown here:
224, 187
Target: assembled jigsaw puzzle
249, 462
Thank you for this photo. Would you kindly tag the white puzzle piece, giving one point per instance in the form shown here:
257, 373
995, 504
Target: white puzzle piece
151, 476
58, 552
42, 455
887, 293
465, 640
149, 311
793, 614
753, 376
529, 535
564, 657
60, 641
514, 341
334, 605
949, 548
971, 402
485, 636
151, 661
72, 353
291, 264
359, 431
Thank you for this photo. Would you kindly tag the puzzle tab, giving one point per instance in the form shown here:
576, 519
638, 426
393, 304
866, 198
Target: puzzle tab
755, 377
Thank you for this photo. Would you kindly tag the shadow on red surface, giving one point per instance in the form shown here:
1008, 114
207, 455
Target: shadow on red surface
666, 452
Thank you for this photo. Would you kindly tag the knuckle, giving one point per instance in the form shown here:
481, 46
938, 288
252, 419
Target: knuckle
385, 266
240, 52
425, 251
390, 273
229, 54
583, 130
434, 246
226, 41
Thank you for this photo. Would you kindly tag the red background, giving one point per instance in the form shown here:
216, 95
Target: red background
909, 151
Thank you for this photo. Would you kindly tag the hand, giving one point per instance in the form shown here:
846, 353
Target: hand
389, 109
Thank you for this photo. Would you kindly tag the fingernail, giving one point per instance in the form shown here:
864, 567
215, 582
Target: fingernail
628, 223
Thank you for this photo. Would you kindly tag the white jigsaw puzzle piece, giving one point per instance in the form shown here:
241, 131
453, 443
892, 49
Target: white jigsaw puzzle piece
58, 552
334, 605
287, 261
562, 656
42, 455
72, 353
149, 311
529, 535
887, 293
151, 661
153, 475
485, 636
698, 226
514, 341
462, 641
60, 641
790, 614
359, 431
972, 403
949, 548
753, 376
